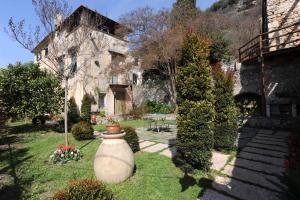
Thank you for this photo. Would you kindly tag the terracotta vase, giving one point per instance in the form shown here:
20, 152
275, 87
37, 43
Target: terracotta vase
113, 129
94, 119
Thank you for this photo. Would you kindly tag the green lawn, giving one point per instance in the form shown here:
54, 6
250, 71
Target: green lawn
133, 123
26, 159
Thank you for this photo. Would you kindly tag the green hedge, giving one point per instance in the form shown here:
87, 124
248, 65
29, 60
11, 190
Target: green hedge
88, 189
225, 131
132, 138
83, 131
195, 105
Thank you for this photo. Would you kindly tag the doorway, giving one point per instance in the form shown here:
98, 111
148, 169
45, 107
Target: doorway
119, 103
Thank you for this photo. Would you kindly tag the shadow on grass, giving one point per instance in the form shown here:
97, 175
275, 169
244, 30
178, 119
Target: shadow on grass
12, 186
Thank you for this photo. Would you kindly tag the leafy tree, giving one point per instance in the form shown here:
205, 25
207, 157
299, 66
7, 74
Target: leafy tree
73, 113
86, 108
195, 105
27, 91
219, 49
225, 131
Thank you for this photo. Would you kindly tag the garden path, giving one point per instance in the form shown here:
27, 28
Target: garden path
257, 172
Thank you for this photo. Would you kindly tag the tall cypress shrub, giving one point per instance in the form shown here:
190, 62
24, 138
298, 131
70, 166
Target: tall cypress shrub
73, 114
225, 131
86, 108
195, 105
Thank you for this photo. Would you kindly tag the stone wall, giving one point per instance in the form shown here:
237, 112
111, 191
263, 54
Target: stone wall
281, 13
282, 80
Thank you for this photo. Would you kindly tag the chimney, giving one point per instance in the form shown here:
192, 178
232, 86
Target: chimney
59, 18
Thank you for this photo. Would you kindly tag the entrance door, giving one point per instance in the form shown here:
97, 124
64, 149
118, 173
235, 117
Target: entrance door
119, 103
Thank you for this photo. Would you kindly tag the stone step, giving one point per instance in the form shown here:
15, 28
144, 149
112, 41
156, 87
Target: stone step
218, 160
260, 158
263, 138
155, 148
258, 167
265, 131
272, 137
210, 194
170, 152
243, 190
145, 144
267, 147
268, 142
282, 133
266, 181
271, 141
264, 152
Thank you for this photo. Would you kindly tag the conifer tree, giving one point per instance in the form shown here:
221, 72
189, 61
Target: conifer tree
225, 131
86, 108
73, 114
195, 105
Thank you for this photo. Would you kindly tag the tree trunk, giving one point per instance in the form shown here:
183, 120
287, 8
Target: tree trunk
66, 111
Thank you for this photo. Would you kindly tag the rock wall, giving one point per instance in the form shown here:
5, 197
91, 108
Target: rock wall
282, 82
281, 13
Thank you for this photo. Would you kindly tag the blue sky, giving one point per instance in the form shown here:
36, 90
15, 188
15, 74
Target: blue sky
11, 51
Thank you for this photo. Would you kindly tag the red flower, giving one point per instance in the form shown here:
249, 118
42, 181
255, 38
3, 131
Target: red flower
66, 148
73, 148
59, 146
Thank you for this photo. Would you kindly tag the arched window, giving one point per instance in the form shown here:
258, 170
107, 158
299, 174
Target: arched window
134, 79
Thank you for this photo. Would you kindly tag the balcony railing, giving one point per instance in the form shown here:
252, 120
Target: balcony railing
272, 41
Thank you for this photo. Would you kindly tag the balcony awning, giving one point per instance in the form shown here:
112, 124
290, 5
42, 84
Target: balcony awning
118, 86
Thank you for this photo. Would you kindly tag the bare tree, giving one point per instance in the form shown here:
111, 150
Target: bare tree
66, 40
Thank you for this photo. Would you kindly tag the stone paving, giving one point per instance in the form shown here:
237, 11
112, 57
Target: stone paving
257, 172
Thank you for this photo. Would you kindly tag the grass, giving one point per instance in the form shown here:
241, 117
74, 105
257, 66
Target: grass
136, 123
24, 155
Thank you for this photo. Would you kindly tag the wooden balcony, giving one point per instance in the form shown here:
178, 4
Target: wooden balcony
269, 43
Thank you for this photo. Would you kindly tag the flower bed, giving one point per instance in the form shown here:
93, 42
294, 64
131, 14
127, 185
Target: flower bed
65, 153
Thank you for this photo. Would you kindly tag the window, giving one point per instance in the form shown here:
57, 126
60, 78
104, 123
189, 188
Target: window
114, 79
136, 61
116, 59
38, 56
73, 67
104, 29
61, 64
134, 79
101, 101
46, 50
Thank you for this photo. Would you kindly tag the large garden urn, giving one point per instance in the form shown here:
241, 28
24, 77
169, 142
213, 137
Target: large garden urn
114, 160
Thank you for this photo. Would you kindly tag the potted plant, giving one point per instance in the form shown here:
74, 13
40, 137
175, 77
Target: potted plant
112, 126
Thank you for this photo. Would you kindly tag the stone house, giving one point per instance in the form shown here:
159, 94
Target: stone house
269, 64
92, 51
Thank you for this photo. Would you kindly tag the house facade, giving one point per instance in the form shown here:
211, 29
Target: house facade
270, 64
92, 52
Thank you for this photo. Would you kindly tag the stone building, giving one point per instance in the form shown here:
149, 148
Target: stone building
270, 63
92, 50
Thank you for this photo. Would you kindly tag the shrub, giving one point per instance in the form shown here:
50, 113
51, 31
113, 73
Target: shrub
86, 108
156, 107
225, 131
73, 114
39, 120
195, 105
87, 189
83, 131
137, 113
132, 139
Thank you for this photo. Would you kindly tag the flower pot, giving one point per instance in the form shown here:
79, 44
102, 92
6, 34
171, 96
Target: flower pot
94, 119
113, 129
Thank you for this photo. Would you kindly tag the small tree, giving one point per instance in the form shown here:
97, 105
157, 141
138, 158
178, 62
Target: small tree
225, 131
27, 91
195, 105
73, 113
86, 108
